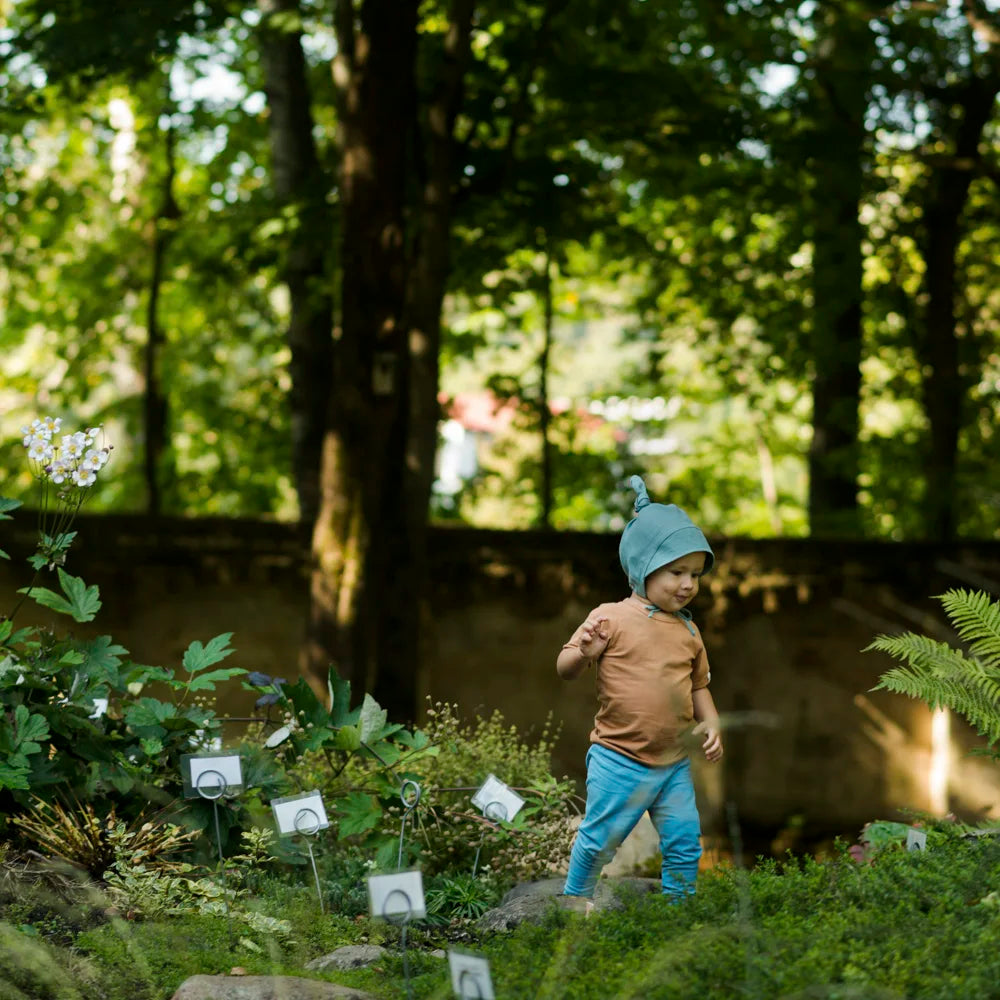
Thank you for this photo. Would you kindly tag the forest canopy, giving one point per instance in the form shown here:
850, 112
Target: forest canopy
745, 248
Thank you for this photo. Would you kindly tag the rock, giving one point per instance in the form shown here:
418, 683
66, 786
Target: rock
530, 901
352, 956
264, 988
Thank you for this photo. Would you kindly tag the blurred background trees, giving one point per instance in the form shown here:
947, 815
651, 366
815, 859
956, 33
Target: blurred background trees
292, 251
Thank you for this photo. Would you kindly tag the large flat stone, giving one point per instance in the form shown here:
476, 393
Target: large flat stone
530, 901
351, 956
264, 988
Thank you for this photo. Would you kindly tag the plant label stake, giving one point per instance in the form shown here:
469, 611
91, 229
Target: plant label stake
916, 840
210, 776
305, 815
470, 976
498, 802
409, 794
398, 898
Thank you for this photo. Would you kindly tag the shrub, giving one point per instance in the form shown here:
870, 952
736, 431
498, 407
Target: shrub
75, 723
76, 835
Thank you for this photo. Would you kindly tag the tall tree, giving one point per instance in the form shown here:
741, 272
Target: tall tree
964, 107
302, 189
841, 80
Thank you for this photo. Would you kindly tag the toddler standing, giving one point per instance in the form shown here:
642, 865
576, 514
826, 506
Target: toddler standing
652, 678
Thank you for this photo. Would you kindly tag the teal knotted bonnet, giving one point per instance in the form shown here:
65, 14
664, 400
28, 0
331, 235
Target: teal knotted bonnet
658, 534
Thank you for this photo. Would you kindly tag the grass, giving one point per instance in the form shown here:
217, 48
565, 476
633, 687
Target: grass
919, 926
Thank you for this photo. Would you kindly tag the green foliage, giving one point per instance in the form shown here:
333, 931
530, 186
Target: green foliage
81, 602
77, 726
354, 756
947, 677
452, 831
911, 925
79, 837
460, 898
32, 969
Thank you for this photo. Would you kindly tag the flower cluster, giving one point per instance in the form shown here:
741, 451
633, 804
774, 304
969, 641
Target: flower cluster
73, 459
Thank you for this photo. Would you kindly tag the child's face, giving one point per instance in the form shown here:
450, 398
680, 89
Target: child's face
675, 584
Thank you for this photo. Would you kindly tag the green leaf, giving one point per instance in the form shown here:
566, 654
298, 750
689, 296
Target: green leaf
197, 656
358, 812
84, 601
48, 599
152, 747
207, 682
6, 627
3, 555
307, 707
372, 719
29, 728
149, 712
347, 738
340, 700
71, 657
6, 505
138, 674
102, 658
14, 773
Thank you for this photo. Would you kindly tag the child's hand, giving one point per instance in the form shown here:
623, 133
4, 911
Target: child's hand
594, 637
712, 744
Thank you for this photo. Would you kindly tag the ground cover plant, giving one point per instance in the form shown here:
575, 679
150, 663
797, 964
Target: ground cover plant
900, 924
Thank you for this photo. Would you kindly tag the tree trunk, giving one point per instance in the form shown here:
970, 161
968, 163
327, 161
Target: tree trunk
544, 406
945, 387
301, 186
361, 501
154, 399
429, 265
845, 50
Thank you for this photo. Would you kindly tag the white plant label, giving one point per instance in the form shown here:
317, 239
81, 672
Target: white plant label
470, 976
302, 814
204, 772
496, 800
400, 894
916, 840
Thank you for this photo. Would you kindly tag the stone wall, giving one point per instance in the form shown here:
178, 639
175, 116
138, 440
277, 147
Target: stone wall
809, 747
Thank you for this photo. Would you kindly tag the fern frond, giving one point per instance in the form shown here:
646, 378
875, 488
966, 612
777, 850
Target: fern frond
976, 618
943, 677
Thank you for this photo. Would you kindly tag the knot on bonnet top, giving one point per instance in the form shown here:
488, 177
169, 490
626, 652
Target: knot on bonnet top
657, 535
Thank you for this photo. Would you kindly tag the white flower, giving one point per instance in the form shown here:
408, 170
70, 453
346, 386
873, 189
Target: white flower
58, 471
50, 425
40, 451
83, 477
93, 433
71, 448
92, 461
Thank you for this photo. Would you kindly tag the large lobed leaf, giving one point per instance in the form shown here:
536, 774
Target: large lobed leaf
197, 657
81, 602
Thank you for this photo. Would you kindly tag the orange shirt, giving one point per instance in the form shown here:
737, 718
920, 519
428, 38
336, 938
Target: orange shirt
644, 681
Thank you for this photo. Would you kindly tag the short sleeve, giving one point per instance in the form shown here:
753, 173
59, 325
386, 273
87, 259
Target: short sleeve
701, 672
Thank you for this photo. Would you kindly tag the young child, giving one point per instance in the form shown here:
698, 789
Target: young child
652, 680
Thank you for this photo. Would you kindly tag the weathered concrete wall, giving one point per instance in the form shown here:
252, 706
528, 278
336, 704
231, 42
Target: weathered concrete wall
785, 622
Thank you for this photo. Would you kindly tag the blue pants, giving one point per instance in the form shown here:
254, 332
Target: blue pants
619, 791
